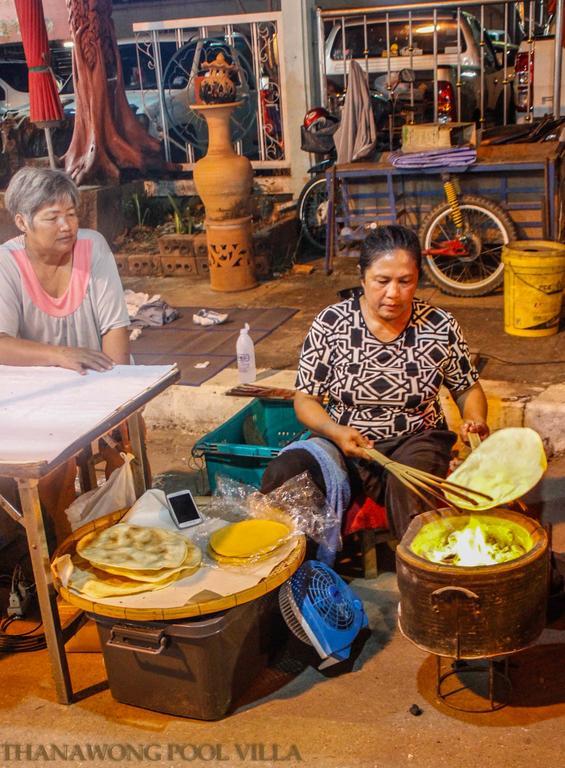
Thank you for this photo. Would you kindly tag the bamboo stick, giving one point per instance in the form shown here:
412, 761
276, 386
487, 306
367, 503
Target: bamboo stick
433, 485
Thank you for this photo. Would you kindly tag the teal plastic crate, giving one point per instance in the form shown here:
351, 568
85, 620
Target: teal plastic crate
242, 446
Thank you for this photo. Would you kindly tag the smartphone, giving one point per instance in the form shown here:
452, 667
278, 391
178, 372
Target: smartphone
183, 509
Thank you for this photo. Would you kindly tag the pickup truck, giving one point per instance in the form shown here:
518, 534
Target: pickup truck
533, 89
395, 41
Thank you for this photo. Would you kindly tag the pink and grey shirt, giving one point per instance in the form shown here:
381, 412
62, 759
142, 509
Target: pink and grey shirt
92, 305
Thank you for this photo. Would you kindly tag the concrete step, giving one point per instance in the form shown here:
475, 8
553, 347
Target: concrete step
201, 409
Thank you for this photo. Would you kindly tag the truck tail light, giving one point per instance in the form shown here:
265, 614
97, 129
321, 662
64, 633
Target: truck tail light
445, 101
524, 81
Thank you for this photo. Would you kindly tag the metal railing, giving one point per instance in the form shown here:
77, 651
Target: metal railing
259, 126
461, 73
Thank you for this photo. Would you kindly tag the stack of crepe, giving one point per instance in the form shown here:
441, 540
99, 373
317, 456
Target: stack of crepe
126, 559
247, 542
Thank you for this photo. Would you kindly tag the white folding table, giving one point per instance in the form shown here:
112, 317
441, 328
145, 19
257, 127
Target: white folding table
47, 416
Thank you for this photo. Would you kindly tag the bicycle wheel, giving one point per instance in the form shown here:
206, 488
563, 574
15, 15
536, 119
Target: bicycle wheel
313, 211
470, 265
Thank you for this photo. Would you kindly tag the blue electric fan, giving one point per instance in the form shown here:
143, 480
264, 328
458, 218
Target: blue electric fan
321, 610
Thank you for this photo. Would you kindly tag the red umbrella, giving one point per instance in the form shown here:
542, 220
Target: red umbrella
45, 105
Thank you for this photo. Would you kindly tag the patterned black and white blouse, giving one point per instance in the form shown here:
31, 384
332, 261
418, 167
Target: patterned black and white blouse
384, 389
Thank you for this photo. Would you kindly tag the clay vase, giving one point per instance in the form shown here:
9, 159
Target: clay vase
224, 181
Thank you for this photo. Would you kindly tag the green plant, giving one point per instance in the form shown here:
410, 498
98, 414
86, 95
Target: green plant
183, 223
137, 208
141, 210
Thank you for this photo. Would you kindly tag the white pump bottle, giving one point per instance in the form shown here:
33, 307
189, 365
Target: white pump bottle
246, 356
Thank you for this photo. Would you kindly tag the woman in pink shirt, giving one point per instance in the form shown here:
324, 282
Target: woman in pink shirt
61, 300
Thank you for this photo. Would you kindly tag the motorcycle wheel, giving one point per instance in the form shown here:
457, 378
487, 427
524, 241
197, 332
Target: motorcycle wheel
313, 211
481, 271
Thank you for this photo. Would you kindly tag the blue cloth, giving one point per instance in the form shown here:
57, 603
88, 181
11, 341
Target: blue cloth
338, 489
451, 157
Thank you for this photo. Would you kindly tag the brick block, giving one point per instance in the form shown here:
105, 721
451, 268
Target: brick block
177, 266
262, 263
144, 264
200, 244
173, 246
122, 262
202, 265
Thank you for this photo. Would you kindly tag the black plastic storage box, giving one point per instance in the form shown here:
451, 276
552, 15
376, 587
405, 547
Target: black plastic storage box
194, 668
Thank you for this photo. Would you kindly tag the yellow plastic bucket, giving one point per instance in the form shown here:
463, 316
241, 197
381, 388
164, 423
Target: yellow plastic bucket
534, 275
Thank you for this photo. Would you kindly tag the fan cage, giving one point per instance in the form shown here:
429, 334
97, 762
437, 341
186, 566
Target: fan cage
328, 594
289, 613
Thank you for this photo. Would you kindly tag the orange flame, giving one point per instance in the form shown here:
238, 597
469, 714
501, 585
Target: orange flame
471, 548
475, 544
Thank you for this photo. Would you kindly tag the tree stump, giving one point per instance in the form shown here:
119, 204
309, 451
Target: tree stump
107, 137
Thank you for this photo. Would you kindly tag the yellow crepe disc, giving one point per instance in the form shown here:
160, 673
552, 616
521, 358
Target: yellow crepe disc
505, 466
95, 584
249, 538
241, 560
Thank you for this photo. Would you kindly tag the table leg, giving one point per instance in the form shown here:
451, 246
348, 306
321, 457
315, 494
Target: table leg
139, 466
87, 470
552, 228
39, 552
330, 219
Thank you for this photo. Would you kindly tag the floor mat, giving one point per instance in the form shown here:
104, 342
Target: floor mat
187, 344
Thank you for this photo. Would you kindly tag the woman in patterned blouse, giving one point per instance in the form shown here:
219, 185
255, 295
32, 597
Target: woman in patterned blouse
380, 359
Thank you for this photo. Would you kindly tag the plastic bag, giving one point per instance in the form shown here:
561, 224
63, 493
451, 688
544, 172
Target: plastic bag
299, 503
118, 492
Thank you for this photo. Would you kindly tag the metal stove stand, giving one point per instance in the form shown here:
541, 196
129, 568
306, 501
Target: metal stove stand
492, 671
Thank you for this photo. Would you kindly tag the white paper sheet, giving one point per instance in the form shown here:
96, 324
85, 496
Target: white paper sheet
44, 410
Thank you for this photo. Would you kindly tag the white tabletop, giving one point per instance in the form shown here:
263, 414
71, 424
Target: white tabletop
44, 410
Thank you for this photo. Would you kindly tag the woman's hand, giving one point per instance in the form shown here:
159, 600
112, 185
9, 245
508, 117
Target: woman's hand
472, 405
350, 441
312, 414
478, 426
80, 359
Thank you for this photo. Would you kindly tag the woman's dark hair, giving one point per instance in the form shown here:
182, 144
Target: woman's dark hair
385, 240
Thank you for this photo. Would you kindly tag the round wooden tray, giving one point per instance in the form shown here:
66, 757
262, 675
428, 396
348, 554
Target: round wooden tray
278, 576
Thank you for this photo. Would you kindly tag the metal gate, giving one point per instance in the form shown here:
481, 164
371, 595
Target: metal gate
469, 73
165, 51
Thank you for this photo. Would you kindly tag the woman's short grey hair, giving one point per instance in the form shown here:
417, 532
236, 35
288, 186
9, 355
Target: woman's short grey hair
31, 189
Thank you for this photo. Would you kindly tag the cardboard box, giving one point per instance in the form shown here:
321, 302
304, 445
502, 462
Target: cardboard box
419, 138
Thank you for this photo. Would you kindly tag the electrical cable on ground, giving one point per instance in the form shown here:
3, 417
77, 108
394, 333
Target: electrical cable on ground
13, 642
26, 641
22, 641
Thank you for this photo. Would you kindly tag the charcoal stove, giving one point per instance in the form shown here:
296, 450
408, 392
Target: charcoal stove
475, 614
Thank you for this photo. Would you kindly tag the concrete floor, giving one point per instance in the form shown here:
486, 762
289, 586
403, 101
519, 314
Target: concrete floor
359, 716
536, 361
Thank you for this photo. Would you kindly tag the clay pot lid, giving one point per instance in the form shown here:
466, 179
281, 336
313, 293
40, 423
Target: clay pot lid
220, 62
